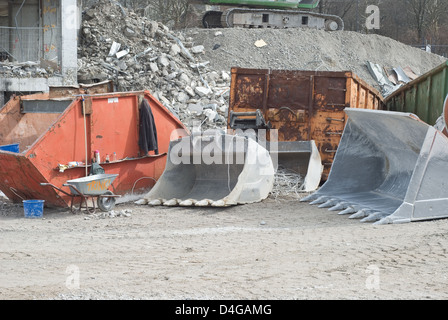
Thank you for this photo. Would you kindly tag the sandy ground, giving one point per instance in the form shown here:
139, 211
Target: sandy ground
275, 249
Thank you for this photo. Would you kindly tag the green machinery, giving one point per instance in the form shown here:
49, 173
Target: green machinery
269, 14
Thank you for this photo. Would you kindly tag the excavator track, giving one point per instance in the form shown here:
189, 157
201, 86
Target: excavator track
271, 18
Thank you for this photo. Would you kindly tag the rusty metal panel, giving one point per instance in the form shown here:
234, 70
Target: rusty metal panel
288, 104
249, 90
303, 105
286, 90
81, 89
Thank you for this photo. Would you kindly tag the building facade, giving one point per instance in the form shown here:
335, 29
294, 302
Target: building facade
38, 45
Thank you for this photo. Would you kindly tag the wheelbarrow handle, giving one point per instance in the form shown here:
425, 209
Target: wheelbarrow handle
59, 189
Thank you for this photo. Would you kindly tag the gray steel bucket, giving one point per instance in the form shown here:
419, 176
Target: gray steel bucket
299, 157
213, 170
390, 167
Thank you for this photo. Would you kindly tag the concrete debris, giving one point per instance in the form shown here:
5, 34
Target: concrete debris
260, 43
197, 49
28, 69
139, 54
110, 214
7, 208
113, 48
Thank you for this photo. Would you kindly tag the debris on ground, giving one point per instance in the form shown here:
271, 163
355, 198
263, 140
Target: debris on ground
28, 69
110, 214
287, 184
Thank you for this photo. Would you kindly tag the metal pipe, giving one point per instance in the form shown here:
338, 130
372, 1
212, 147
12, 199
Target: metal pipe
85, 131
17, 27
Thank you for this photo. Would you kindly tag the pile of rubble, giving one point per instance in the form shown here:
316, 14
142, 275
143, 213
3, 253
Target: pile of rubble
7, 208
139, 54
110, 214
28, 69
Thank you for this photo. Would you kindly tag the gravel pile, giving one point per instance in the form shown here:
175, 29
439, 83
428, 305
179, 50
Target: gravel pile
309, 49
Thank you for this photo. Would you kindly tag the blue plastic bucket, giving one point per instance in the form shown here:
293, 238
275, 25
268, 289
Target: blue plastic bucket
10, 147
33, 208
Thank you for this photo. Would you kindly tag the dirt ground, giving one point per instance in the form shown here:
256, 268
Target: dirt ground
276, 249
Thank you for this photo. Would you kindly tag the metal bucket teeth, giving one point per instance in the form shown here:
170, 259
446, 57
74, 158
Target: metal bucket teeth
389, 167
155, 202
360, 214
219, 203
141, 201
328, 203
339, 206
170, 203
320, 200
203, 203
310, 197
348, 210
384, 220
187, 203
375, 216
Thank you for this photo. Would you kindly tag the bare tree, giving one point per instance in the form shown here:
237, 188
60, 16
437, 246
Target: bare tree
167, 11
135, 4
339, 7
436, 20
426, 15
419, 10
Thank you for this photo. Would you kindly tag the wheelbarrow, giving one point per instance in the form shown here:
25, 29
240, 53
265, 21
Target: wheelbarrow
90, 187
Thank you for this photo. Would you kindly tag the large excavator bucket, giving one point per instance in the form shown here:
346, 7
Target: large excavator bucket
299, 157
390, 167
213, 170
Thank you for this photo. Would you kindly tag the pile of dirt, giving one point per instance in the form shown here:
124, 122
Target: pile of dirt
308, 49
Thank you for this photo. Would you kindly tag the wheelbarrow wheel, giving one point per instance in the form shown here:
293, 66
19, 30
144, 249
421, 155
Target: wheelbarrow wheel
106, 203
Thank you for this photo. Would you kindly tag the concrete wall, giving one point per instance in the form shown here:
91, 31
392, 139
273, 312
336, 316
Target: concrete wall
70, 22
57, 41
51, 32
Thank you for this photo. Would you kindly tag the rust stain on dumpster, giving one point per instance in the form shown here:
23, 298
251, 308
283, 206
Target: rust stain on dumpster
303, 105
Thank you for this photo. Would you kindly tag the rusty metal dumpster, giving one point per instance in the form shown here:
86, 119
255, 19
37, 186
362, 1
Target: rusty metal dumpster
301, 105
57, 137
